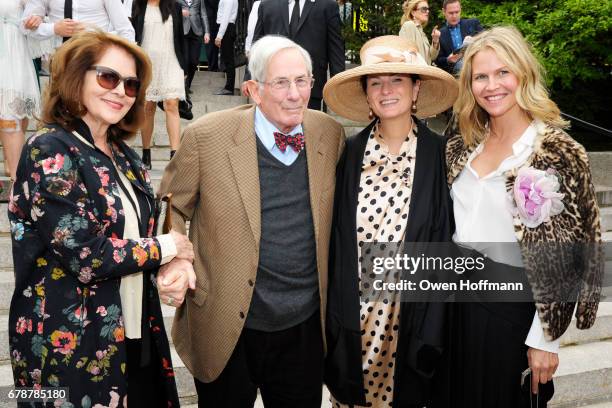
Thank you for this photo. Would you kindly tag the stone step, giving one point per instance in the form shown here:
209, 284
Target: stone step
604, 195
601, 167
601, 330
7, 286
584, 374
606, 218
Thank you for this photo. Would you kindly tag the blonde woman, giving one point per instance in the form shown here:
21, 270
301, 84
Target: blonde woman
518, 178
416, 16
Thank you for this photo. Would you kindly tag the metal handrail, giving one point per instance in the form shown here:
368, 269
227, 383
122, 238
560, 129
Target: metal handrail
589, 126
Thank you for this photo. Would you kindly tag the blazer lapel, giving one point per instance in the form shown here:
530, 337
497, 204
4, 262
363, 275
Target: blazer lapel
243, 159
464, 29
308, 5
315, 155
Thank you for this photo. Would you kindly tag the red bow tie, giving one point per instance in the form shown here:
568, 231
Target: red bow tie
296, 141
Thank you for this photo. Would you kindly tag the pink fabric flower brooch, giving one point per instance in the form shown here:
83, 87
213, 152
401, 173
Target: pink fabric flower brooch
535, 196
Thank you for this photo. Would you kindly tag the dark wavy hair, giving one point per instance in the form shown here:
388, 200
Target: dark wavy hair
165, 6
62, 98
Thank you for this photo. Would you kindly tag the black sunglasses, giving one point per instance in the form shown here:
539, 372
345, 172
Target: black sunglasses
110, 79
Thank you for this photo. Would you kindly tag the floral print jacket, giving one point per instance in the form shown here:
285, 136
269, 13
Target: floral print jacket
67, 222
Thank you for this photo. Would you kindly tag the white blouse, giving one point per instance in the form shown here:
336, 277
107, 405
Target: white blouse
482, 216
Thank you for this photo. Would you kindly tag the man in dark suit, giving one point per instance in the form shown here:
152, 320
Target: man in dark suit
453, 34
212, 51
195, 27
313, 24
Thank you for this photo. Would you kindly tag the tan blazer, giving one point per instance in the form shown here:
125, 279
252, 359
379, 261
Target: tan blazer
214, 179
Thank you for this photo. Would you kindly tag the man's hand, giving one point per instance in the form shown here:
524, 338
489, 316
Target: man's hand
184, 247
453, 58
32, 22
206, 38
173, 280
185, 13
67, 27
543, 365
218, 42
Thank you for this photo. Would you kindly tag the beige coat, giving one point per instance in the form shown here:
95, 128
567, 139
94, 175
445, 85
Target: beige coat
214, 180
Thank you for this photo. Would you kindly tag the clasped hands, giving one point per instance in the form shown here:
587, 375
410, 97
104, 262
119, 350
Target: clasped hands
178, 275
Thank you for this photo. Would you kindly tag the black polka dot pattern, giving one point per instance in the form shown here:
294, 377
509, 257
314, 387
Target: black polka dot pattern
383, 204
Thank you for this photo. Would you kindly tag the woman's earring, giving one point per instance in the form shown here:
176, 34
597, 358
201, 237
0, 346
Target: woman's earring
414, 107
371, 114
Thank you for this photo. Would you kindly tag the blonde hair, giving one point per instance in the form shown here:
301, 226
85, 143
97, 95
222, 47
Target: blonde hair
531, 95
409, 6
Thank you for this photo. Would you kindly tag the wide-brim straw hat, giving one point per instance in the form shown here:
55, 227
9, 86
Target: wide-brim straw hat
390, 54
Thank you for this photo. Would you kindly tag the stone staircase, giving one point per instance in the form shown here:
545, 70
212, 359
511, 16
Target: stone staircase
585, 373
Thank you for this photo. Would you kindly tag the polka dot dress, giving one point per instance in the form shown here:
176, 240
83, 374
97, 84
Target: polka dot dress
382, 212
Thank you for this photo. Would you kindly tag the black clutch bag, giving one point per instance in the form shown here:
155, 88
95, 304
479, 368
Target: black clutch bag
539, 400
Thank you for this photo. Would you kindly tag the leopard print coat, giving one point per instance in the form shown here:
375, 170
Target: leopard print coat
549, 250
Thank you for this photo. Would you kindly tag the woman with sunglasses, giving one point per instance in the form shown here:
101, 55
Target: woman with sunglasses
415, 17
159, 31
85, 314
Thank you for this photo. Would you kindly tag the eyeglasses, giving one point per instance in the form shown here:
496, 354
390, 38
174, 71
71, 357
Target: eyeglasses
110, 79
283, 84
423, 9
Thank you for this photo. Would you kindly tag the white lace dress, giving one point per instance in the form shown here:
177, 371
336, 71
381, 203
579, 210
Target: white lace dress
158, 41
19, 93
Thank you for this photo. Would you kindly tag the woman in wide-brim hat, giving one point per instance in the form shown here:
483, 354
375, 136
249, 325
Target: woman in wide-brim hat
390, 187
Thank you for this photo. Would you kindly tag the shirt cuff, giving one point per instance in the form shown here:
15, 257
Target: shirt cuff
46, 30
535, 338
168, 248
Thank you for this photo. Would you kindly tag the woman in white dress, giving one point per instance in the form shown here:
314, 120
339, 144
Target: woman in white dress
19, 93
159, 31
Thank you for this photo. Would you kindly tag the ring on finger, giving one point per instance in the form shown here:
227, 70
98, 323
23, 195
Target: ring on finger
170, 300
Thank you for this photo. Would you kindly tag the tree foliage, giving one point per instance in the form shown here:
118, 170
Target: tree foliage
571, 38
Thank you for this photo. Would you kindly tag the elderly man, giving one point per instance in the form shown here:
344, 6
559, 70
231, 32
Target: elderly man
106, 15
315, 25
257, 183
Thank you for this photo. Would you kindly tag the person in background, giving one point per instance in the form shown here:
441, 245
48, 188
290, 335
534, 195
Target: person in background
453, 34
226, 36
256, 183
159, 31
19, 92
390, 187
518, 178
414, 19
345, 8
195, 29
212, 51
85, 313
106, 15
315, 25
252, 22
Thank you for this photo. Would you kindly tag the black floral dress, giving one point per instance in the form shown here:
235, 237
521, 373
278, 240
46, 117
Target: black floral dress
67, 221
